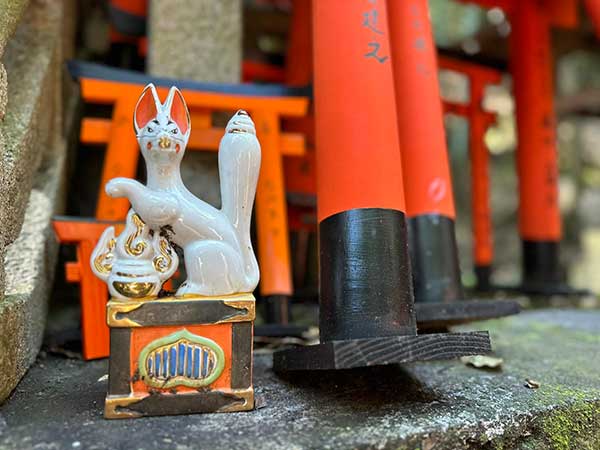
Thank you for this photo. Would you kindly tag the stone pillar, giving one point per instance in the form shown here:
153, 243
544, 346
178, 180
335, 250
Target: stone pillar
196, 39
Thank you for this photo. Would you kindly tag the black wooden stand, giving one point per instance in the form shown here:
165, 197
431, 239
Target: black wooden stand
439, 296
542, 273
276, 311
366, 300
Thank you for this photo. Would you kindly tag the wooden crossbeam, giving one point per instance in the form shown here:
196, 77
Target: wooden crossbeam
98, 131
108, 92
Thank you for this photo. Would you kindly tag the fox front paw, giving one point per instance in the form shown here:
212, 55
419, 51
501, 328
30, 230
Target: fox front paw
121, 187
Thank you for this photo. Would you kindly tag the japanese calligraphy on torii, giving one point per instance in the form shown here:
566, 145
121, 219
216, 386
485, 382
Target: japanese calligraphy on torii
370, 21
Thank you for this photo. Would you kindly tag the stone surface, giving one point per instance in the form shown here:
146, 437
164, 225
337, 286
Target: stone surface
196, 39
32, 60
30, 262
10, 15
441, 405
32, 174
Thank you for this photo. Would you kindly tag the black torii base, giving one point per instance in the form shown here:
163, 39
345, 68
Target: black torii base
367, 315
437, 316
542, 273
351, 353
276, 311
440, 301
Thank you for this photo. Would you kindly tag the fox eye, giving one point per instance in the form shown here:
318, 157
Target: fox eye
174, 131
150, 129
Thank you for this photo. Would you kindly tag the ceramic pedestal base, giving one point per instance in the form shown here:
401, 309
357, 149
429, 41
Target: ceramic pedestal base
180, 356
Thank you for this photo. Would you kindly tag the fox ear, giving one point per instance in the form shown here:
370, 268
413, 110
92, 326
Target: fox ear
178, 110
147, 107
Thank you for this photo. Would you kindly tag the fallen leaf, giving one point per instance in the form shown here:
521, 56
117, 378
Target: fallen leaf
531, 384
483, 362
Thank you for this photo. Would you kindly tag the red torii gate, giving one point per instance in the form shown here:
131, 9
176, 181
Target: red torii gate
531, 67
479, 122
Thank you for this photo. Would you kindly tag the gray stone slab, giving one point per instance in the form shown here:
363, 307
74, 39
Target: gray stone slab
34, 114
440, 405
29, 263
10, 15
32, 175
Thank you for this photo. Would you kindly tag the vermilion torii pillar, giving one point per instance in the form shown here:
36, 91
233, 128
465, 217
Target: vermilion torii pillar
483, 244
366, 297
537, 159
428, 184
427, 181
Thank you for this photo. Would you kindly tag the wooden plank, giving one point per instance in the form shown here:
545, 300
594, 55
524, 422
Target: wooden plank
93, 298
173, 311
487, 74
466, 110
72, 272
442, 315
73, 230
119, 382
241, 354
381, 351
93, 292
188, 403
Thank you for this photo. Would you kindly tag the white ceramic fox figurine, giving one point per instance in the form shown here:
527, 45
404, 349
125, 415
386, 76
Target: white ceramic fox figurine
216, 243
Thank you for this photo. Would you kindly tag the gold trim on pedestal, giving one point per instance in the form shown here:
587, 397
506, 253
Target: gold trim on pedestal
246, 296
115, 307
237, 301
112, 402
248, 305
245, 394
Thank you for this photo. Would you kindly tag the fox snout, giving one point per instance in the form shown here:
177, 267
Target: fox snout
164, 142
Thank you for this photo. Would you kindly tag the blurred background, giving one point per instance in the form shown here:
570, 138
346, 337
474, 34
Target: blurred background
47, 170
461, 30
